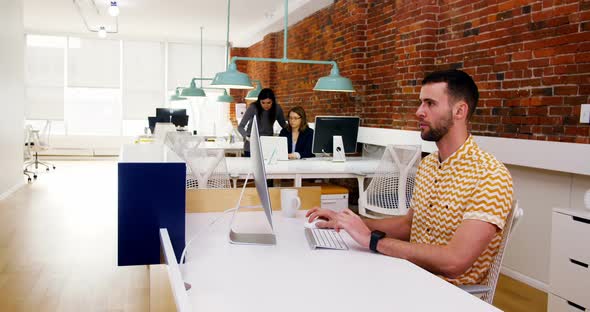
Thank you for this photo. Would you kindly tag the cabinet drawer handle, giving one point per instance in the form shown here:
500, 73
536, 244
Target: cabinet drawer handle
328, 202
580, 263
577, 306
581, 220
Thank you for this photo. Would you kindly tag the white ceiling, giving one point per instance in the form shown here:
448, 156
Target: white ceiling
172, 20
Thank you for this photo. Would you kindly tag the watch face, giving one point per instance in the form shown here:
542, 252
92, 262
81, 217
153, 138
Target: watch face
378, 234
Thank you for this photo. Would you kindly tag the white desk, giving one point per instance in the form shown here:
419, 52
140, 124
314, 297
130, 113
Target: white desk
291, 277
308, 168
236, 147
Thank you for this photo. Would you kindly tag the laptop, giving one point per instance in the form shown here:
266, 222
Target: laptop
274, 148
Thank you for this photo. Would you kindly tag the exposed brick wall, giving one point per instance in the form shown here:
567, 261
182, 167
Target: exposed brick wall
530, 59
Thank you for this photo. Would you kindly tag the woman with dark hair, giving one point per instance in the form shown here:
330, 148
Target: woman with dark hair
299, 134
267, 111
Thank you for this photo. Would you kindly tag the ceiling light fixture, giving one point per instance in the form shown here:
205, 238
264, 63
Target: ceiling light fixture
176, 96
226, 98
234, 79
102, 32
253, 94
231, 78
114, 9
192, 90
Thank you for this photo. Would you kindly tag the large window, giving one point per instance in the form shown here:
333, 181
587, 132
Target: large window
109, 87
93, 111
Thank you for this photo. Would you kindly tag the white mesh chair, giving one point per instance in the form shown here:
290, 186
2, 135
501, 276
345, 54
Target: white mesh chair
208, 168
37, 142
390, 189
161, 130
487, 290
181, 143
177, 141
27, 154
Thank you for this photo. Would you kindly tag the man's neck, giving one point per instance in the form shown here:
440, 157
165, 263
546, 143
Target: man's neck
450, 143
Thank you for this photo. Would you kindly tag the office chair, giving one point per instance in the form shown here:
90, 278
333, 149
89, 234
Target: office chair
208, 168
27, 154
390, 190
181, 143
177, 140
487, 290
37, 142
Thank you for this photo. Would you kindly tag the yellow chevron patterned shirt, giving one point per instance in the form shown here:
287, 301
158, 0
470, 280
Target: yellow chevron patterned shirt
470, 184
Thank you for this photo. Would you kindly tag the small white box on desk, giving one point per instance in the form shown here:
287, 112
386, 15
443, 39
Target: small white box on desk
336, 202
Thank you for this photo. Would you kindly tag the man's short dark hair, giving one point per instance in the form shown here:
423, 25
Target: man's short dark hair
460, 86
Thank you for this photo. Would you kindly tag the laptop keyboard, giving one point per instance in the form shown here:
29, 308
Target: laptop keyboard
324, 238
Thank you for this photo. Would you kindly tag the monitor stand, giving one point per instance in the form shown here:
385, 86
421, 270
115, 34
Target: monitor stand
338, 152
250, 238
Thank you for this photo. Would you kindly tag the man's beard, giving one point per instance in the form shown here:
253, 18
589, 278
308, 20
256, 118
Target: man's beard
438, 131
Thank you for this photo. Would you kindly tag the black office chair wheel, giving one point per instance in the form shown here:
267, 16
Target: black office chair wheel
47, 169
35, 177
53, 167
29, 179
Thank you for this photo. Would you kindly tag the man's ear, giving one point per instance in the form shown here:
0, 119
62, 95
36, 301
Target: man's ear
461, 110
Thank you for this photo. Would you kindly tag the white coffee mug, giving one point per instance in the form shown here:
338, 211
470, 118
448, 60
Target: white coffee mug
290, 202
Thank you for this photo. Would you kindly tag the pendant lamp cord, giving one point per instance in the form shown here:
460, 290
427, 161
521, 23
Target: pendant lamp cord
201, 57
227, 36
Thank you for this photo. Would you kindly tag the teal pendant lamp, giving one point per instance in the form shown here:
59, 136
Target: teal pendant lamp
234, 79
231, 77
193, 91
253, 94
226, 98
176, 96
334, 82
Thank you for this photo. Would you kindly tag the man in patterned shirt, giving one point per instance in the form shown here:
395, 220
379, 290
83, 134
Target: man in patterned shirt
461, 198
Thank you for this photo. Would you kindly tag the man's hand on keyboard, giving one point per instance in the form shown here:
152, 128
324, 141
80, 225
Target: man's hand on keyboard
346, 220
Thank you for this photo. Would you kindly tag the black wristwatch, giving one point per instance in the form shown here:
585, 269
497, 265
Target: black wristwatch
375, 237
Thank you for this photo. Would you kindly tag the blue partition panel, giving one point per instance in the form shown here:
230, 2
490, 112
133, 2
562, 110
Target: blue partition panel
151, 196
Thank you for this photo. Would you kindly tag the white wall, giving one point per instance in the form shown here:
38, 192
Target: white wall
11, 95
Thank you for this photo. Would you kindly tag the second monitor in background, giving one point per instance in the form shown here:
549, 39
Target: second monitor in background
180, 120
326, 127
169, 112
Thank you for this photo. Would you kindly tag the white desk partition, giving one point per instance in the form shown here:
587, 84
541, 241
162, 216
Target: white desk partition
291, 277
176, 282
308, 168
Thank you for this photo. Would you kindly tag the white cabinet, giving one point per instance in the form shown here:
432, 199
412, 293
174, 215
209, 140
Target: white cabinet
569, 280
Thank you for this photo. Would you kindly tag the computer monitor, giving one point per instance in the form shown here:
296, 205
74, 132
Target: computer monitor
169, 112
274, 148
257, 163
152, 120
326, 127
180, 120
